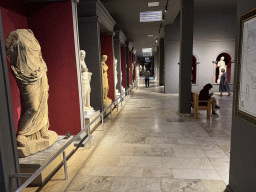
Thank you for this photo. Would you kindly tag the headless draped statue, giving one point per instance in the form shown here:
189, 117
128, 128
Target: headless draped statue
106, 100
221, 64
30, 69
86, 79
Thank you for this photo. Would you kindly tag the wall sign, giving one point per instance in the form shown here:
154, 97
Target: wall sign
150, 16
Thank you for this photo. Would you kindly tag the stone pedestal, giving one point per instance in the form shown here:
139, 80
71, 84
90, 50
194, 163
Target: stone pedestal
88, 118
106, 104
33, 162
37, 145
118, 95
122, 91
88, 111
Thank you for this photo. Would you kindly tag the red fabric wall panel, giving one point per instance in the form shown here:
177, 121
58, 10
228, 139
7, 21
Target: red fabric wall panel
106, 42
53, 27
123, 67
130, 66
12, 21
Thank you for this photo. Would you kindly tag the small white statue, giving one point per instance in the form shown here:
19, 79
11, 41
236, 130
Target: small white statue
122, 88
221, 64
116, 79
86, 79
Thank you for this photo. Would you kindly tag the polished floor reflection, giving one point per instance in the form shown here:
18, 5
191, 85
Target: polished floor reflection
150, 148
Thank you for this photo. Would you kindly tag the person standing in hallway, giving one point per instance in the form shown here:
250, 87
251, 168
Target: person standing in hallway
147, 75
205, 95
224, 84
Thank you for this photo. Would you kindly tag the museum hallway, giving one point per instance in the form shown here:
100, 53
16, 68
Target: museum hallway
150, 148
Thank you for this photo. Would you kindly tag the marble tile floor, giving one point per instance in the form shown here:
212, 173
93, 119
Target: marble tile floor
148, 149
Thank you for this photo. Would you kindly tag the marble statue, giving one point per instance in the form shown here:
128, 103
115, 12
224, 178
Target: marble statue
106, 100
221, 64
116, 78
122, 88
30, 71
86, 79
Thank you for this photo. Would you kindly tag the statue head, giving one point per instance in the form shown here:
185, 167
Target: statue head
104, 58
82, 54
222, 58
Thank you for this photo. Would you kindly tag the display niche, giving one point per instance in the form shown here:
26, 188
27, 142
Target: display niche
227, 59
52, 24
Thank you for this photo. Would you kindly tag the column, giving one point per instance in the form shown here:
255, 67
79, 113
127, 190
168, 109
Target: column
89, 36
161, 63
9, 162
123, 66
186, 51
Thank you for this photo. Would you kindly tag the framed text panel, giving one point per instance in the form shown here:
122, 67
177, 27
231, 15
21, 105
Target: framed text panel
245, 94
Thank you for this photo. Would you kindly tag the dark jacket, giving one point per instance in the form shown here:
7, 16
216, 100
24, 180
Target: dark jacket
147, 74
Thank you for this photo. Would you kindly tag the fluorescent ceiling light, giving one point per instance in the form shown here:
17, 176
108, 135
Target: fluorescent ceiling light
146, 58
153, 4
146, 50
150, 35
148, 61
150, 16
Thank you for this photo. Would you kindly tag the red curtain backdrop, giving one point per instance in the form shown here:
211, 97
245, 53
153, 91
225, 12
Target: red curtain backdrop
227, 59
106, 42
53, 28
130, 66
123, 67
12, 21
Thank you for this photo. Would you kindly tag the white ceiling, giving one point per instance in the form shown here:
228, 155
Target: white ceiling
126, 13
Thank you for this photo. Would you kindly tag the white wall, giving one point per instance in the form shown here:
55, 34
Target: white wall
214, 33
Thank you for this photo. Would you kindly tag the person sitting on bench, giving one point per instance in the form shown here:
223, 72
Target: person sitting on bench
205, 95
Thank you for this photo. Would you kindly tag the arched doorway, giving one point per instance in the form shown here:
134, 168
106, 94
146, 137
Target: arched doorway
227, 59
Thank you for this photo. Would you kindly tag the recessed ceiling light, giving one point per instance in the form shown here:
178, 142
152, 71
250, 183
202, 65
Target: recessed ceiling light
150, 35
153, 4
